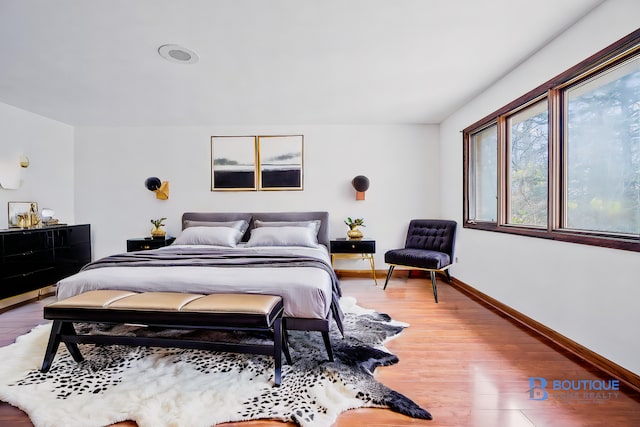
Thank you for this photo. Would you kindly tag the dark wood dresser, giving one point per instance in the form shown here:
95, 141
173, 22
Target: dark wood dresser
32, 260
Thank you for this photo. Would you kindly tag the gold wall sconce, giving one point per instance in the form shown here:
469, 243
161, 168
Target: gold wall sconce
24, 161
161, 188
10, 178
361, 184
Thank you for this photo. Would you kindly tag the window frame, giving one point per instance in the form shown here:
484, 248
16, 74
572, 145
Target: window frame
553, 92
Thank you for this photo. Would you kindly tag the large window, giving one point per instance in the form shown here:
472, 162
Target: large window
563, 161
603, 151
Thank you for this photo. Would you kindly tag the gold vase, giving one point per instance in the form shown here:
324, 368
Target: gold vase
354, 233
158, 233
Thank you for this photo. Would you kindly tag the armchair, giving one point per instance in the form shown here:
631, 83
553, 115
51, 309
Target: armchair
429, 247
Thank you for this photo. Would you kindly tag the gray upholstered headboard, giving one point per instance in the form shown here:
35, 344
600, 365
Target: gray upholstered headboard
323, 233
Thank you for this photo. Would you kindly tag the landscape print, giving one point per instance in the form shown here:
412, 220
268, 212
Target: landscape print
280, 159
233, 163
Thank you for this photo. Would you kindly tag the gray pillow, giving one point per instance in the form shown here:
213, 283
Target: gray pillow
240, 224
315, 223
216, 236
283, 236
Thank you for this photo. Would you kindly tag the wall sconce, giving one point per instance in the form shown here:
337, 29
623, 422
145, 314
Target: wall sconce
10, 173
161, 188
361, 184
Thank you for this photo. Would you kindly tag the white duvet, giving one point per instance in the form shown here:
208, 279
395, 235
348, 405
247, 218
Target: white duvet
306, 291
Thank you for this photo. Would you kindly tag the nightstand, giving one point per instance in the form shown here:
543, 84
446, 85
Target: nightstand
361, 249
144, 243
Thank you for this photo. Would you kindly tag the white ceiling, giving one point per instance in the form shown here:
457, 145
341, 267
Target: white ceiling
95, 62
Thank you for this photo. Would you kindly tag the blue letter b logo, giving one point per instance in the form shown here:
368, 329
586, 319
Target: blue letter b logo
537, 388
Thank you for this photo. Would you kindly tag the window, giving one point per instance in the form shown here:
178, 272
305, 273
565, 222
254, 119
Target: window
603, 151
563, 161
484, 163
527, 179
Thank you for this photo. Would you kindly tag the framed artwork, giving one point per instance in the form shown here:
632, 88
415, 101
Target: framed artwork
233, 163
280, 159
18, 213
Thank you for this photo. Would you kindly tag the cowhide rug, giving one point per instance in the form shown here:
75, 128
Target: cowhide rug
176, 387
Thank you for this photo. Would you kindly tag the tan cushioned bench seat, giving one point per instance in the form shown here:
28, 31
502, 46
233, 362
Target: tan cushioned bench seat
171, 301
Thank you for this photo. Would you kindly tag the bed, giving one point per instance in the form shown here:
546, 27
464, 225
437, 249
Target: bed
276, 253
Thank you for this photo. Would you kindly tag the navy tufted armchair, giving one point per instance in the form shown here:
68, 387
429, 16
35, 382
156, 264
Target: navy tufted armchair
429, 247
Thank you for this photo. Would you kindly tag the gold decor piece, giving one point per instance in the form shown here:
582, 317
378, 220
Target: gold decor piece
24, 161
156, 231
161, 188
354, 233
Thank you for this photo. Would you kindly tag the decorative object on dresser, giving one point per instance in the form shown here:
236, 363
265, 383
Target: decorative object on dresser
146, 243
361, 184
47, 217
359, 249
34, 259
23, 215
186, 387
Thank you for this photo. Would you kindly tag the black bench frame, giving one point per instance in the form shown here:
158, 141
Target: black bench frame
64, 317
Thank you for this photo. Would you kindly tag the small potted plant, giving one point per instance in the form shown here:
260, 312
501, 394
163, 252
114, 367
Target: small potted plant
354, 233
157, 232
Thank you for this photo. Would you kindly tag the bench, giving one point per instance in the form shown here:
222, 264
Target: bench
174, 310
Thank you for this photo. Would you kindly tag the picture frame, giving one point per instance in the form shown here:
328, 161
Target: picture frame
234, 163
17, 208
280, 159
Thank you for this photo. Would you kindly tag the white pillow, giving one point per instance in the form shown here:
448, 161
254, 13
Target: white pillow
240, 224
314, 223
283, 236
218, 236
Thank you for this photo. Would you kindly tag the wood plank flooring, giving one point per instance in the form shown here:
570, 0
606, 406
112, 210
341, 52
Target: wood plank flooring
466, 364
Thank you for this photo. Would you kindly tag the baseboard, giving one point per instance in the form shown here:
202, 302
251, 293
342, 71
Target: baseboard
366, 274
616, 371
17, 300
361, 274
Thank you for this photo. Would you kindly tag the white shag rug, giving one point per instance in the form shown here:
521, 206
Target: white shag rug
158, 387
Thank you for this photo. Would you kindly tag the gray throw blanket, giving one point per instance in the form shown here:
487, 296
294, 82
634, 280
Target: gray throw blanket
210, 257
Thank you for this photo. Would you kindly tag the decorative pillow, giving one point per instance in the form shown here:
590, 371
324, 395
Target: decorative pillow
217, 236
283, 236
314, 223
240, 224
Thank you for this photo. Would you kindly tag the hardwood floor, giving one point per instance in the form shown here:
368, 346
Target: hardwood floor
466, 364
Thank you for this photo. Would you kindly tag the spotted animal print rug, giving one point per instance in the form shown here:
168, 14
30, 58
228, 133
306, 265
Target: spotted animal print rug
178, 387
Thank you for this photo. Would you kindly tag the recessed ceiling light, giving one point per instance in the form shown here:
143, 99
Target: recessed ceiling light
179, 54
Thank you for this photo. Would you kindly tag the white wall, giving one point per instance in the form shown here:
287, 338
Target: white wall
113, 163
586, 293
49, 146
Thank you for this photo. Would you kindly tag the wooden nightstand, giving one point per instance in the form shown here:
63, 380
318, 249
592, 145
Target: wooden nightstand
361, 249
144, 243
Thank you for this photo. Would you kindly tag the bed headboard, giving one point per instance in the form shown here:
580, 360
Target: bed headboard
323, 233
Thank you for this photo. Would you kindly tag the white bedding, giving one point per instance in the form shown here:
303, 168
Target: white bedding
306, 291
